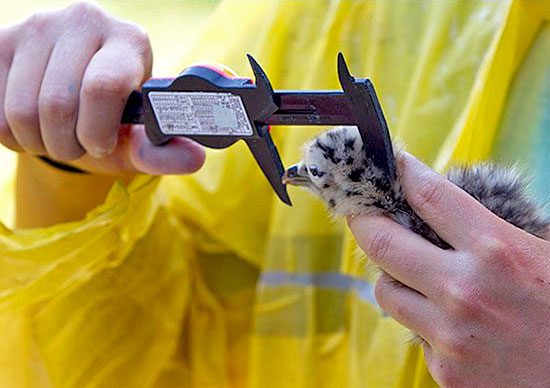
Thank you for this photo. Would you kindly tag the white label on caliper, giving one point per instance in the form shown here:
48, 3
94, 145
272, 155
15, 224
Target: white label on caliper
198, 113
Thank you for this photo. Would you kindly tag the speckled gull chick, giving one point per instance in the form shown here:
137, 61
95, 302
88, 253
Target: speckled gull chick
336, 169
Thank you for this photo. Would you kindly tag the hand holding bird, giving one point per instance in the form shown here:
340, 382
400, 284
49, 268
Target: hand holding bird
462, 264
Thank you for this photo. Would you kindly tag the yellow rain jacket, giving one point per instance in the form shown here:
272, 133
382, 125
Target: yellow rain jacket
208, 280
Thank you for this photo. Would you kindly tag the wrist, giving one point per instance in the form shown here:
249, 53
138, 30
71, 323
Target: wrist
46, 195
61, 166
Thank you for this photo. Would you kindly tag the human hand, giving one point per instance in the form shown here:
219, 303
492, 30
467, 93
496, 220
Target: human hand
64, 80
482, 307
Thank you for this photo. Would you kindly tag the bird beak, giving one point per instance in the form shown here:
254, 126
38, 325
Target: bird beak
296, 175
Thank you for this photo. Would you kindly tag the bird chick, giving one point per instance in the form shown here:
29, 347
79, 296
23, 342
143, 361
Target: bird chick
336, 169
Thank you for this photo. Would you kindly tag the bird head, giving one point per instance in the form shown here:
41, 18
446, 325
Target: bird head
335, 168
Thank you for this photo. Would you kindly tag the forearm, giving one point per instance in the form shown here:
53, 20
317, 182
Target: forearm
47, 196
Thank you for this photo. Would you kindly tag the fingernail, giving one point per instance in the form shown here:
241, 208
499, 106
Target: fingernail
101, 152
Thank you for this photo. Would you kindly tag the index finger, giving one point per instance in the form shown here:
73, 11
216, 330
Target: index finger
404, 255
114, 71
451, 212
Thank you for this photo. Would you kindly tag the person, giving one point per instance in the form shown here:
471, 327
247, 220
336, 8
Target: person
164, 283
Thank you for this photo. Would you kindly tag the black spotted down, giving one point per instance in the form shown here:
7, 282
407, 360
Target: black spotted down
329, 152
363, 188
349, 144
356, 174
350, 193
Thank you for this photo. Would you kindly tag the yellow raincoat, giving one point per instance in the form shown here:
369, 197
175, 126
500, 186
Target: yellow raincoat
208, 280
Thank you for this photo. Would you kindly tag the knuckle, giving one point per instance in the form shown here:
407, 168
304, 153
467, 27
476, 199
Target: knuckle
107, 86
59, 104
37, 24
503, 257
453, 343
430, 194
21, 114
85, 18
464, 298
86, 11
378, 246
493, 246
138, 36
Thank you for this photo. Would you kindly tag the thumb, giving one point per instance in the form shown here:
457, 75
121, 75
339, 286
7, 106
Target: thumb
134, 153
179, 156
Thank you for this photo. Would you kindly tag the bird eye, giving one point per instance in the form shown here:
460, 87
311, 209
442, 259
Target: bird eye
314, 170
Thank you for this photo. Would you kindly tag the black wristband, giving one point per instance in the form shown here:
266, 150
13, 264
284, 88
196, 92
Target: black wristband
62, 166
